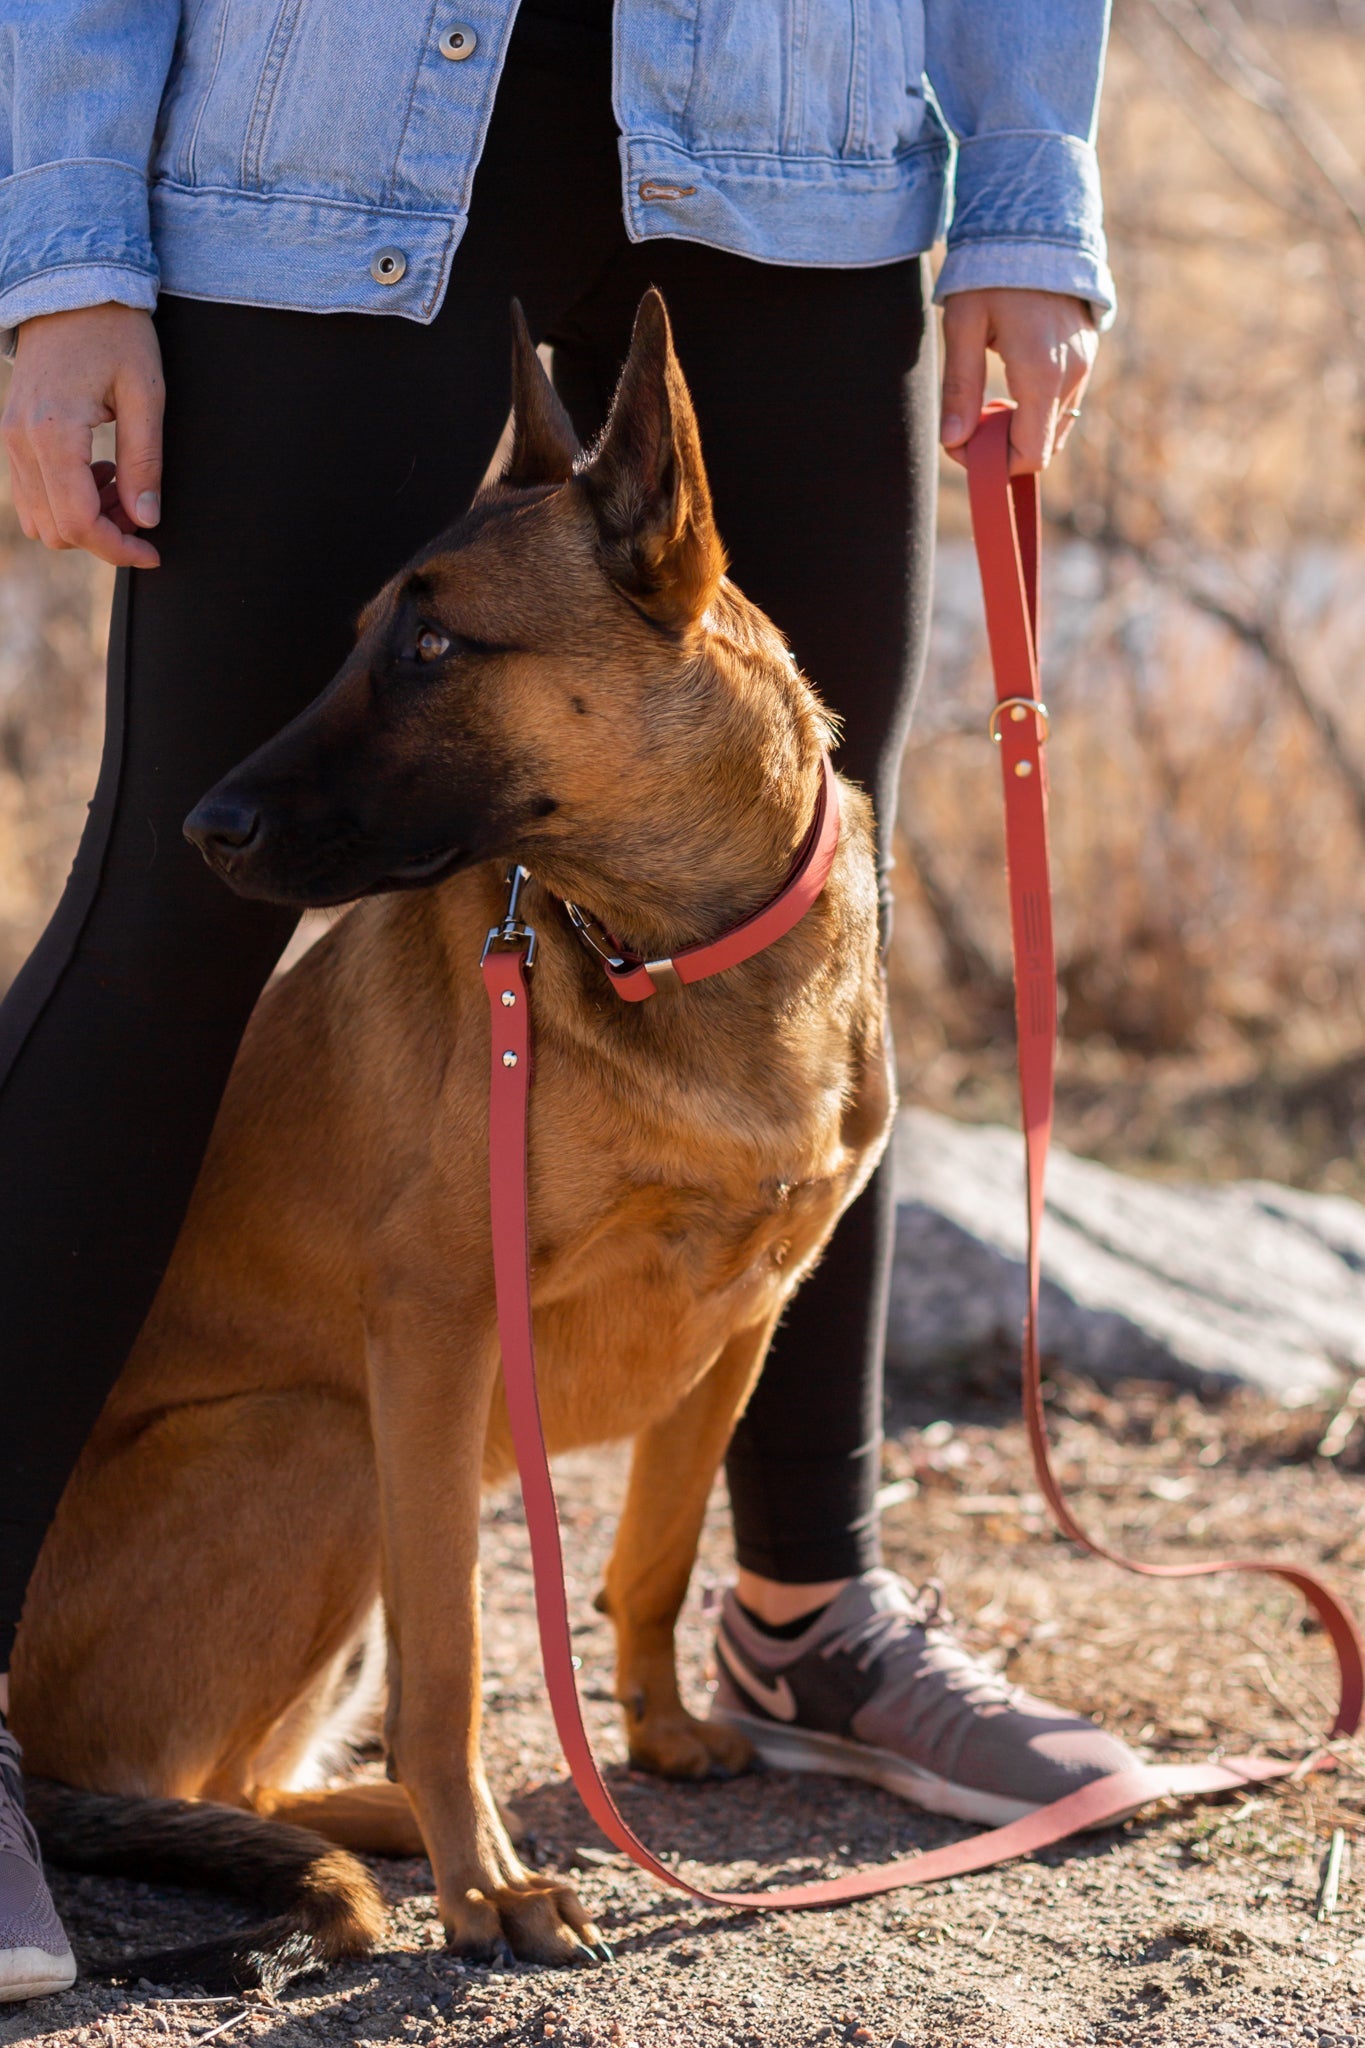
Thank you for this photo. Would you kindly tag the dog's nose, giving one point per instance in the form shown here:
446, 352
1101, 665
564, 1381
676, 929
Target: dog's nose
222, 828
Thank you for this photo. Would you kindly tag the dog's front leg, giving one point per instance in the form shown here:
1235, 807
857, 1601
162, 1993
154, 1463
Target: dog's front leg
433, 1361
671, 1472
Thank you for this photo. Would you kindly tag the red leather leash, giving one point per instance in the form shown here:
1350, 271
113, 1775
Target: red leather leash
1006, 525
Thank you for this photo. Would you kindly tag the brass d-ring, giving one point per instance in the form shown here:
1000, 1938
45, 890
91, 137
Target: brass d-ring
1018, 707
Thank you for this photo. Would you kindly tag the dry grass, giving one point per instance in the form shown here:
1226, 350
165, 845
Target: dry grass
1204, 641
1207, 889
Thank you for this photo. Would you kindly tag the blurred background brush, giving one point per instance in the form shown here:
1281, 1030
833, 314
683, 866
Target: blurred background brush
1205, 643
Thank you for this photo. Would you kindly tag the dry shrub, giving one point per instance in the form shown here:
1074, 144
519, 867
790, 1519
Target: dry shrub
1204, 633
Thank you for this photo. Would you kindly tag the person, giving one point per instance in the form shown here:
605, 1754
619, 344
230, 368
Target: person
300, 226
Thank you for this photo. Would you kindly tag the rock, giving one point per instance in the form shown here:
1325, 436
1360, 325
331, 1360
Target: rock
1241, 1284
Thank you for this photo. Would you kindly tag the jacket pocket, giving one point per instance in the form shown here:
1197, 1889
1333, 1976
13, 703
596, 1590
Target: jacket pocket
189, 83
268, 84
807, 78
306, 97
883, 104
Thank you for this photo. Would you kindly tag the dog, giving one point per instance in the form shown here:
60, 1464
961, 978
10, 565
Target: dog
273, 1531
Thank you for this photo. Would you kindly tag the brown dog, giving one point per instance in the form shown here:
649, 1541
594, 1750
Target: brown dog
298, 1443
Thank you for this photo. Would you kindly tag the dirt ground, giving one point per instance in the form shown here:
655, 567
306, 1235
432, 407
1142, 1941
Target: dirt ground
1185, 1927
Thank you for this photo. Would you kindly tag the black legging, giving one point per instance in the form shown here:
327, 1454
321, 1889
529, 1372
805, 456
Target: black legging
306, 456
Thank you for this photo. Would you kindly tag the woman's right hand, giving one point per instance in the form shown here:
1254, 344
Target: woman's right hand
72, 373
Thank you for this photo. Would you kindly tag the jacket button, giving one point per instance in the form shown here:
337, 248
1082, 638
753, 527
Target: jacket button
459, 42
388, 266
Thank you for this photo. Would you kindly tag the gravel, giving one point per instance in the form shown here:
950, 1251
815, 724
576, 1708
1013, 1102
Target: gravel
1189, 1927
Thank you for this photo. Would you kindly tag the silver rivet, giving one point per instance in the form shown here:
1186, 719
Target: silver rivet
508, 999
1017, 712
1023, 767
388, 266
509, 1059
458, 42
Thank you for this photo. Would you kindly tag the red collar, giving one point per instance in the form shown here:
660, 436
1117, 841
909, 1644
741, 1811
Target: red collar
636, 980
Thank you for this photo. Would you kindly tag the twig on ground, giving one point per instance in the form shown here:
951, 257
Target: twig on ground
233, 2020
1337, 1434
204, 1999
1331, 1876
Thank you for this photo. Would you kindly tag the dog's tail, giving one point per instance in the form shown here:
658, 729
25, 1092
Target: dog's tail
323, 1903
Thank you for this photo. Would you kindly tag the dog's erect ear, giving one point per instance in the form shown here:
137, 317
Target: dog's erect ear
647, 485
543, 440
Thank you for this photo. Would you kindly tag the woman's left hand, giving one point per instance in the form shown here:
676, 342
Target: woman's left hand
1047, 342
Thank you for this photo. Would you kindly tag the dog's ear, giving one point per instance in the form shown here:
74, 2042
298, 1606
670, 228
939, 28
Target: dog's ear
543, 440
647, 485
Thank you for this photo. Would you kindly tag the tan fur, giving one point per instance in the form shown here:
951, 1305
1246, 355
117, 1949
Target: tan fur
313, 1407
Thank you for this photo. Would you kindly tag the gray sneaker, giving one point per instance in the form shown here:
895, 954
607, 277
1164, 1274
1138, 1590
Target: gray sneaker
35, 1955
878, 1687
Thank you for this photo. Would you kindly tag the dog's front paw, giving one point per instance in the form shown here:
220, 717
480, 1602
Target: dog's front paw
678, 1745
533, 1920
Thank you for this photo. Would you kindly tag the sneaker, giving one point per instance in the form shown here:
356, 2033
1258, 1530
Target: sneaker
35, 1955
879, 1688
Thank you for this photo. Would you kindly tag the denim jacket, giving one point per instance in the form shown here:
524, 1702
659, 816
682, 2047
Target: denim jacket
320, 154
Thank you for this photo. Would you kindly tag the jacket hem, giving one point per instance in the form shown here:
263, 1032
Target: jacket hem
793, 211
298, 253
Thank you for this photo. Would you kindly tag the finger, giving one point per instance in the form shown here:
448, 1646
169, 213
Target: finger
62, 448
25, 488
40, 511
73, 497
122, 550
1033, 424
964, 372
78, 521
1072, 401
106, 483
138, 408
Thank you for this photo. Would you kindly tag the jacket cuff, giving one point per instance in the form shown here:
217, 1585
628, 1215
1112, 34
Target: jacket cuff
1027, 212
74, 234
1029, 266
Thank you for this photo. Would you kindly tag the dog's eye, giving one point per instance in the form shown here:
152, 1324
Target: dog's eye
431, 645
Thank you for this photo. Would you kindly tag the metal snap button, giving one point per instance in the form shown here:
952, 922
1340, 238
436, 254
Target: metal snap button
458, 42
388, 266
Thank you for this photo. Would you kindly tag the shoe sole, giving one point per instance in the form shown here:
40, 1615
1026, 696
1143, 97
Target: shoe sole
33, 1973
834, 1756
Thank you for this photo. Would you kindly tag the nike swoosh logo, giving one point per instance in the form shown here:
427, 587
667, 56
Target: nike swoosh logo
778, 1698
